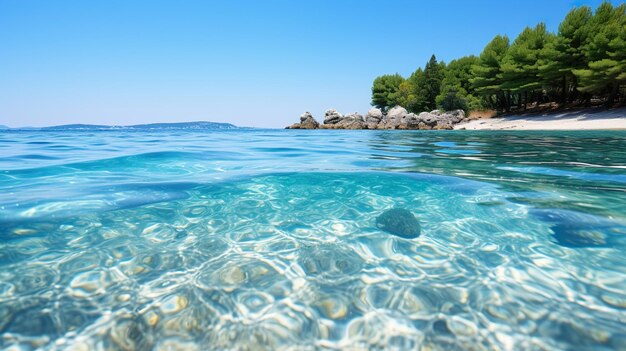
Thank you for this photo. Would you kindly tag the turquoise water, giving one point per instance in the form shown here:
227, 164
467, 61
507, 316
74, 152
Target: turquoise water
267, 239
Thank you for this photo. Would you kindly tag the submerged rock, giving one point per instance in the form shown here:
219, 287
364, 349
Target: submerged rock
578, 230
572, 236
399, 222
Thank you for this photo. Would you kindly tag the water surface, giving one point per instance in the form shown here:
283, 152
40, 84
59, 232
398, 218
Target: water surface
266, 239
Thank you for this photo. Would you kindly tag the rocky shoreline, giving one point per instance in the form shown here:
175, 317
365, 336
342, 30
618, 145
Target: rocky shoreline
396, 118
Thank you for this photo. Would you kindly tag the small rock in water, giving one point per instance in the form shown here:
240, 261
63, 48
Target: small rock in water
571, 236
399, 222
578, 230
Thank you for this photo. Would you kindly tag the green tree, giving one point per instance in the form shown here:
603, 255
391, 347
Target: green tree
459, 72
487, 72
585, 59
457, 91
415, 100
431, 87
605, 51
561, 56
520, 66
386, 90
453, 97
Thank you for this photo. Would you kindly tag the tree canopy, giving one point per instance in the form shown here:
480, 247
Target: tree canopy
605, 51
520, 64
385, 90
584, 61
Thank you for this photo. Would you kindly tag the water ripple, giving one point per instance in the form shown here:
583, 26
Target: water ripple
264, 239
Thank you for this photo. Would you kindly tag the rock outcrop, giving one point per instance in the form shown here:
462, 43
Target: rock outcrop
373, 118
306, 122
393, 118
332, 116
335, 120
396, 118
351, 121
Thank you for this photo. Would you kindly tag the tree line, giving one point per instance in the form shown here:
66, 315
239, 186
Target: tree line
583, 63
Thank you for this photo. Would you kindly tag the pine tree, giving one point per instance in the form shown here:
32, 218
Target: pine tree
459, 72
520, 66
587, 55
457, 91
487, 71
561, 56
385, 90
605, 51
433, 75
416, 101
453, 98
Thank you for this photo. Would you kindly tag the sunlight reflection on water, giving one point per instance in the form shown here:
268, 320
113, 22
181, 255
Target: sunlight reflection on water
268, 240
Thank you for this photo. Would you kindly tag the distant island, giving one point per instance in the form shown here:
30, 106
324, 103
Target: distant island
151, 126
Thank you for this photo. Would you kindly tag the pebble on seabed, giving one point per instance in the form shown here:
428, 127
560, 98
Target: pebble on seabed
174, 304
399, 222
152, 318
334, 308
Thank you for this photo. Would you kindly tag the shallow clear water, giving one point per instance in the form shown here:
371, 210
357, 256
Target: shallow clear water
266, 239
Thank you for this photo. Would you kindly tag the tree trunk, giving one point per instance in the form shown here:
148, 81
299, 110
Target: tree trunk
507, 101
525, 100
564, 92
612, 95
536, 98
573, 96
503, 101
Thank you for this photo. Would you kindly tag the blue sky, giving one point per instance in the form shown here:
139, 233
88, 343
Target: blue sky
251, 63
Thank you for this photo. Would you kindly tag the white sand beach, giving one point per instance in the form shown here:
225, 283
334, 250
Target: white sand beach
590, 119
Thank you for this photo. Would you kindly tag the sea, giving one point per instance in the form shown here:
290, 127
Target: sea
260, 239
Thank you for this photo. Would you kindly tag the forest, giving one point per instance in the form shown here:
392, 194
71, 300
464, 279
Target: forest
582, 64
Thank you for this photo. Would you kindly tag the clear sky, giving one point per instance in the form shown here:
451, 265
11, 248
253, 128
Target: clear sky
251, 63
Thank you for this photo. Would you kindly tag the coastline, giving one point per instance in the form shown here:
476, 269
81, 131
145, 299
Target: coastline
395, 118
589, 119
398, 118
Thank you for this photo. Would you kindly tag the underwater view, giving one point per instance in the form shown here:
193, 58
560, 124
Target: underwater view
307, 240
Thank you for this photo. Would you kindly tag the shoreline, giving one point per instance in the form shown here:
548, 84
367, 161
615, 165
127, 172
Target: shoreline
587, 119
399, 118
